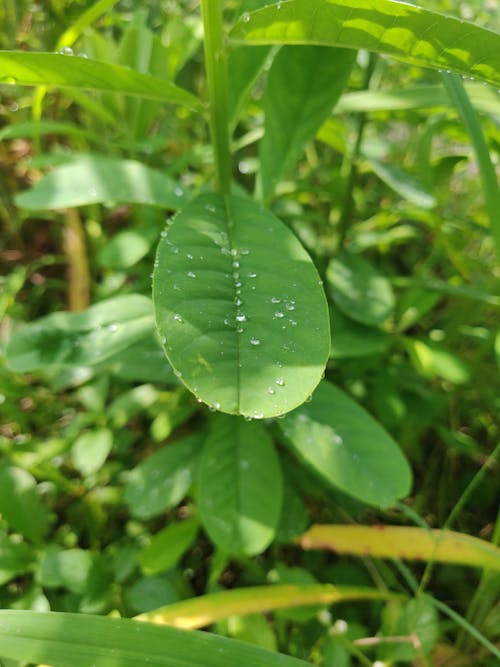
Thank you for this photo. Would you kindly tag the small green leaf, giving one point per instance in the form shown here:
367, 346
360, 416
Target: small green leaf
294, 113
80, 339
81, 640
412, 34
15, 558
244, 66
403, 183
52, 69
68, 568
240, 486
240, 308
90, 450
20, 504
431, 360
151, 592
168, 546
92, 179
346, 446
352, 339
359, 290
162, 480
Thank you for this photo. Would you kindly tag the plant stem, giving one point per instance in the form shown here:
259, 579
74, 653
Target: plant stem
216, 68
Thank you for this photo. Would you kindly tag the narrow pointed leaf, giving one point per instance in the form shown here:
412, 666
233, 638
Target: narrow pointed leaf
346, 446
80, 640
92, 179
240, 308
207, 609
294, 113
412, 34
240, 486
442, 546
61, 71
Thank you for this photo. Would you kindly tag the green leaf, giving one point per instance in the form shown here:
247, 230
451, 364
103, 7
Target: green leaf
431, 360
79, 339
411, 34
68, 568
240, 308
168, 546
418, 618
20, 504
162, 480
402, 182
244, 65
151, 592
240, 486
294, 113
127, 248
92, 179
15, 558
347, 447
90, 450
31, 129
81, 640
359, 290
61, 71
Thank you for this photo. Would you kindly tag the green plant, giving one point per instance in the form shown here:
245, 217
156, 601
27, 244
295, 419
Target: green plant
242, 314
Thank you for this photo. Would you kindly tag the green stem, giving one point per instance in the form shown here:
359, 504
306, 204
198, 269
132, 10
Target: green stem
216, 68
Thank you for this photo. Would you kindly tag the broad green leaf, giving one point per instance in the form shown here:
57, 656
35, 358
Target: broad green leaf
80, 640
20, 504
346, 446
90, 450
207, 609
79, 339
240, 486
150, 592
168, 545
352, 339
411, 34
68, 568
143, 361
294, 517
55, 70
92, 179
418, 618
240, 308
163, 479
441, 546
15, 558
359, 290
302, 87
127, 248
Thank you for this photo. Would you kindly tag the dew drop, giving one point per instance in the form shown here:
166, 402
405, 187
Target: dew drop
246, 17
178, 192
66, 51
279, 314
241, 317
217, 405
258, 415
191, 274
240, 330
163, 233
280, 382
254, 341
178, 318
275, 299
163, 340
251, 274
244, 251
234, 252
271, 391
210, 208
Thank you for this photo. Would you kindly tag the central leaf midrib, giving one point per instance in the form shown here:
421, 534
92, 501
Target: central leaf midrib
230, 226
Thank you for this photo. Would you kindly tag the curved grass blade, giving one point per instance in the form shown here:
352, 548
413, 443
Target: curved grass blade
60, 71
240, 308
411, 34
443, 546
80, 640
207, 609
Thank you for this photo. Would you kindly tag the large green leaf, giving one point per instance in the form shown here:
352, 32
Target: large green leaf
91, 179
240, 486
412, 34
302, 87
240, 308
347, 447
81, 640
81, 339
53, 69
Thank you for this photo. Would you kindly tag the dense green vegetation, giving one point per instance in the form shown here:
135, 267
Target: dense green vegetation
249, 343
